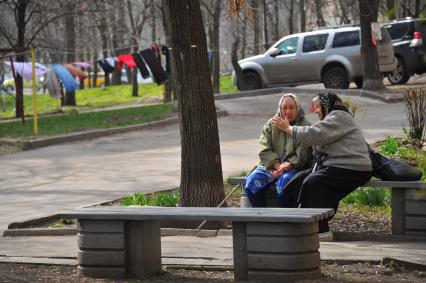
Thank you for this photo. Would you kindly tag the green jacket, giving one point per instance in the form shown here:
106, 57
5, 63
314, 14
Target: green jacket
276, 145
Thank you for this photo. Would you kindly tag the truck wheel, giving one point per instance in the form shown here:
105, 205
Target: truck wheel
252, 81
400, 75
10, 89
336, 77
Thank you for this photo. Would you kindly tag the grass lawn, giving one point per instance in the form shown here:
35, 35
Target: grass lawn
73, 122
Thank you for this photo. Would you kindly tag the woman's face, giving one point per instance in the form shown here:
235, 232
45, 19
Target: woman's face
289, 109
316, 107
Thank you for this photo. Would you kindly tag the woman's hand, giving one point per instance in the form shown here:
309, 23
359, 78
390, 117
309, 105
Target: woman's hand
282, 168
282, 124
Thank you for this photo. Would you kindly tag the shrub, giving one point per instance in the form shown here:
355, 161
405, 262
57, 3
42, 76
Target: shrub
166, 199
390, 146
371, 196
415, 107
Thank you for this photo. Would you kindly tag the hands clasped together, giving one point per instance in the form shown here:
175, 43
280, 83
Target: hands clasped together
281, 168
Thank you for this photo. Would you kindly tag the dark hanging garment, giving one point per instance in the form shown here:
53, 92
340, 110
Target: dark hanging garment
165, 51
106, 66
141, 65
157, 70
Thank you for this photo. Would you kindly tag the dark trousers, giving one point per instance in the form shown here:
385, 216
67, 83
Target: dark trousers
325, 187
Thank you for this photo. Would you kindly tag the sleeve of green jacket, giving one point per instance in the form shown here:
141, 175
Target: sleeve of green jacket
267, 154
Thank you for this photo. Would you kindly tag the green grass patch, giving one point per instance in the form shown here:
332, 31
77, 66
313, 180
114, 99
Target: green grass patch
86, 99
226, 84
370, 196
74, 122
165, 199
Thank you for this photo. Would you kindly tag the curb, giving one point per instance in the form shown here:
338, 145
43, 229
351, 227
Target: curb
397, 97
93, 134
348, 236
404, 263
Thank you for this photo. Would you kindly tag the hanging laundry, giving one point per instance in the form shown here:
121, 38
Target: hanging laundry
106, 66
65, 77
111, 61
52, 84
76, 72
156, 49
25, 69
126, 59
141, 65
165, 52
154, 65
82, 64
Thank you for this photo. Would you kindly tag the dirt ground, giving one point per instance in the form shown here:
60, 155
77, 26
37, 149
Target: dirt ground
331, 272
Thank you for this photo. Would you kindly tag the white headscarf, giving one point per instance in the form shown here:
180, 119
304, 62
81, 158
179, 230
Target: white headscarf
299, 111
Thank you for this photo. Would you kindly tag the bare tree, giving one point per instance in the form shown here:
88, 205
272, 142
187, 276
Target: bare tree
318, 9
290, 7
368, 13
255, 5
201, 171
69, 20
302, 15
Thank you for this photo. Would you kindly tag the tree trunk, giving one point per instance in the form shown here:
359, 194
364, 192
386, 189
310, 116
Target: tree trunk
320, 18
216, 47
241, 84
70, 47
277, 20
168, 88
290, 17
368, 13
153, 22
201, 169
302, 15
256, 23
265, 25
21, 23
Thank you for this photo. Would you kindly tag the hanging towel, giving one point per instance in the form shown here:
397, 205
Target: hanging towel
52, 84
111, 61
126, 59
165, 52
154, 65
106, 66
141, 65
156, 49
25, 69
76, 72
65, 77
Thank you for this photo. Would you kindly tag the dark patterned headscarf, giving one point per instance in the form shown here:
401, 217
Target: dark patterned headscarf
329, 101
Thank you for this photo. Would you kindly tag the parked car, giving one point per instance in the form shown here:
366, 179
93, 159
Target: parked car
331, 56
9, 85
408, 39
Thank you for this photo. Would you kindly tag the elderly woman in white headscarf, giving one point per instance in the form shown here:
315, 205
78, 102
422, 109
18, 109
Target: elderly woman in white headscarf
280, 155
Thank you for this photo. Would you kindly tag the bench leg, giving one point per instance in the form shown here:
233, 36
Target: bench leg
239, 238
398, 211
143, 248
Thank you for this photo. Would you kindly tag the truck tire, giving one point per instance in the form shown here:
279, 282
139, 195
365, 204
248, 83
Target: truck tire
336, 77
400, 75
252, 81
358, 81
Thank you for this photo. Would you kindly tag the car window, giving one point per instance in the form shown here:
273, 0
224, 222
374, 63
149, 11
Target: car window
314, 42
399, 30
288, 46
346, 38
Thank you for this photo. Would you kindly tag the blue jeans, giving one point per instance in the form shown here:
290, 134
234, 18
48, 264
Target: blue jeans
259, 179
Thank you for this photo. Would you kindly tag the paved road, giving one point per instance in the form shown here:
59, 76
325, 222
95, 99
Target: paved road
48, 180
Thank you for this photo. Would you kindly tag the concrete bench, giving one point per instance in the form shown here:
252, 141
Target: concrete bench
408, 204
268, 243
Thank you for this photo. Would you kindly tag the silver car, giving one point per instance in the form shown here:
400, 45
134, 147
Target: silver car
331, 56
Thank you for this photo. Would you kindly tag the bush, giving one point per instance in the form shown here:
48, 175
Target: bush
390, 146
371, 196
165, 199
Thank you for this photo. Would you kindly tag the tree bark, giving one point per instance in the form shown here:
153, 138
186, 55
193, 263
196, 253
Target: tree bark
241, 84
70, 47
302, 15
265, 25
168, 88
320, 18
368, 13
20, 15
277, 20
256, 28
201, 170
216, 47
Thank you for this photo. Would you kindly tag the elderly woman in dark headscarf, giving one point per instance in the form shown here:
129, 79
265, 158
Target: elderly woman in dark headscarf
280, 155
340, 146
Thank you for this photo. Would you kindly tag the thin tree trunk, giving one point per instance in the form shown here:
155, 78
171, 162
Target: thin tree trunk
168, 88
153, 22
201, 170
318, 9
291, 16
70, 47
256, 22
265, 25
19, 92
368, 13
216, 46
277, 20
302, 15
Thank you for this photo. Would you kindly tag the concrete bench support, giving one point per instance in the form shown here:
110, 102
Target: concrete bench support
269, 244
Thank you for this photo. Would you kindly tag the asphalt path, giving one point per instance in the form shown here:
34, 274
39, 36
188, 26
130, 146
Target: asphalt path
48, 180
